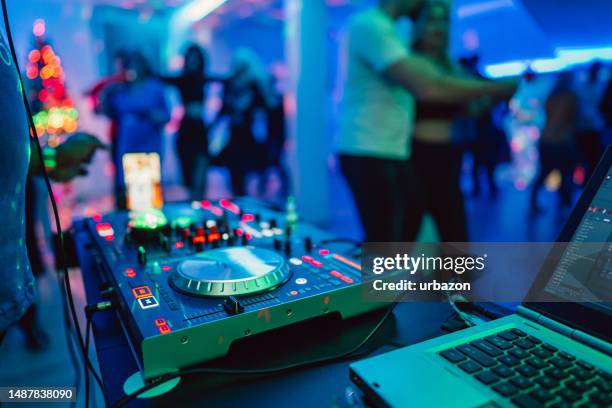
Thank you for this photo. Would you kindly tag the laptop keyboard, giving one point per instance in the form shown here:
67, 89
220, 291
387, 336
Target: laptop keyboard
532, 373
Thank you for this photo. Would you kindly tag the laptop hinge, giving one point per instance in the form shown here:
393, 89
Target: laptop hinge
545, 321
575, 334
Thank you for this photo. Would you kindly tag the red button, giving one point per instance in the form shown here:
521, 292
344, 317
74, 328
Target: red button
347, 279
294, 293
164, 328
130, 273
160, 321
185, 232
165, 268
105, 230
141, 292
307, 258
248, 217
178, 245
316, 263
323, 251
229, 206
336, 274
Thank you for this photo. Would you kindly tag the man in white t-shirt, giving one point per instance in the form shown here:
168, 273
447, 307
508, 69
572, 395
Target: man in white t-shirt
381, 81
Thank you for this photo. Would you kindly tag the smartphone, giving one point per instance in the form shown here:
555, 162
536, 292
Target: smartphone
142, 177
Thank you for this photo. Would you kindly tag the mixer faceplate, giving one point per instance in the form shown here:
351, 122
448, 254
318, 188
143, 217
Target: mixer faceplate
231, 271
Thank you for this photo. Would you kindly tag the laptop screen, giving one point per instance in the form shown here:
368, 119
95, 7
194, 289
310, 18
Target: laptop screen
585, 272
582, 270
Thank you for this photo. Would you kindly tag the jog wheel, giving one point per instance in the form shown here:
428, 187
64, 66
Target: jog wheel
235, 271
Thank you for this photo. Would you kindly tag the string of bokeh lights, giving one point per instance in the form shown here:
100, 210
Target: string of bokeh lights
58, 115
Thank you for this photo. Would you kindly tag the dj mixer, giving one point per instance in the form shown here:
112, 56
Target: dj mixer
191, 279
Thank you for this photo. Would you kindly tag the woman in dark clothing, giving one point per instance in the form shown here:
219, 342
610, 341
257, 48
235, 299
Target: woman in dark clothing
557, 142
437, 160
276, 136
192, 138
243, 98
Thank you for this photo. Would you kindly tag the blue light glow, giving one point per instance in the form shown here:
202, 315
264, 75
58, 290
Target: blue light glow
505, 69
197, 10
585, 55
471, 10
564, 58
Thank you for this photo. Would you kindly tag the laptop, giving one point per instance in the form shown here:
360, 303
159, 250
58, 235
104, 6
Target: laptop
548, 354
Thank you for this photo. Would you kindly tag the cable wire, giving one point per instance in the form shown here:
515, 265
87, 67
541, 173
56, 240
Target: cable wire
350, 354
63, 273
70, 339
87, 336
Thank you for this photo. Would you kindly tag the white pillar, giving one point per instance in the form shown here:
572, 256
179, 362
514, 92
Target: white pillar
306, 50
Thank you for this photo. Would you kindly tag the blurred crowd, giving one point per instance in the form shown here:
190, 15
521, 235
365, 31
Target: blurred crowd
134, 99
432, 109
578, 122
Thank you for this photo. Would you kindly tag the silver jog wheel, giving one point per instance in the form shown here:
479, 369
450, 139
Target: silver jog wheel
235, 271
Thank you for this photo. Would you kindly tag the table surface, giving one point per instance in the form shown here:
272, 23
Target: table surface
322, 385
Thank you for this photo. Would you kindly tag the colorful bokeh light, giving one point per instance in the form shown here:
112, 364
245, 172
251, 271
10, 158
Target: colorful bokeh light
57, 114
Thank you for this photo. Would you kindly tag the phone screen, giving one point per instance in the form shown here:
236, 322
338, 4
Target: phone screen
142, 177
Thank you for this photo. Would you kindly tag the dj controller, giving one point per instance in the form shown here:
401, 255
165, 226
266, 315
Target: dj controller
191, 279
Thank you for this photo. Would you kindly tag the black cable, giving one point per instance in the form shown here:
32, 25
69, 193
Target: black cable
61, 253
70, 340
67, 324
474, 307
87, 336
89, 312
350, 354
